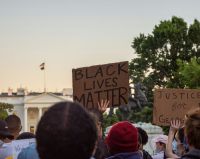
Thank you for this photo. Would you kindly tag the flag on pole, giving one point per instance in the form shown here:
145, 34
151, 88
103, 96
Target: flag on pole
42, 66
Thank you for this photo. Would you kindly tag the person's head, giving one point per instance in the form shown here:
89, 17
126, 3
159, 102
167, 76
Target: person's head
4, 133
14, 125
26, 135
66, 130
160, 142
192, 128
122, 137
160, 146
142, 137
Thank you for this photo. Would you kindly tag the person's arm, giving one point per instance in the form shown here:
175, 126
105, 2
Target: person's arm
175, 125
102, 106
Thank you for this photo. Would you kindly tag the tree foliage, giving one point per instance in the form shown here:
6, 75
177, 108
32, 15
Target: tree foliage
4, 109
169, 57
157, 53
109, 120
163, 58
145, 115
190, 72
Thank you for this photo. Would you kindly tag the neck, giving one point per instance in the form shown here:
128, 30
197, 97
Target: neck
16, 134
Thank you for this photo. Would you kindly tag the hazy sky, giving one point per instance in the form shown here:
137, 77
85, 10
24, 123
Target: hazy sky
71, 34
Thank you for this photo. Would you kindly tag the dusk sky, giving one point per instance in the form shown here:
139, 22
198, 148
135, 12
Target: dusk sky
72, 34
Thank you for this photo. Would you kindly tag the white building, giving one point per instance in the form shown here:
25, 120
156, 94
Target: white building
31, 107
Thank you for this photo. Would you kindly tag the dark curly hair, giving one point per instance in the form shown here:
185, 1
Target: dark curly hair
143, 136
14, 123
66, 130
25, 135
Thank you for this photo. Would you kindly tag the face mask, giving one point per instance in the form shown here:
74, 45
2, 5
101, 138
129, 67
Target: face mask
157, 150
174, 146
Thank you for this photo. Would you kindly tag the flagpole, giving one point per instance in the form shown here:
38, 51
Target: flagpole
44, 80
45, 77
43, 68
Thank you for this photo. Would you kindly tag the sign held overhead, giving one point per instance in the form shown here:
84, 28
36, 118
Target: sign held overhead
109, 81
172, 104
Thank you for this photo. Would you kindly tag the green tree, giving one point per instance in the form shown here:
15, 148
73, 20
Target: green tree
109, 120
190, 72
4, 109
157, 53
160, 56
163, 59
145, 115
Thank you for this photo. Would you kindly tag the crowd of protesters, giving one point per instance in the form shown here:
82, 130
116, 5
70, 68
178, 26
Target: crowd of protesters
68, 130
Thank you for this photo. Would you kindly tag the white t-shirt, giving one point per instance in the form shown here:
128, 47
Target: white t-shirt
5, 150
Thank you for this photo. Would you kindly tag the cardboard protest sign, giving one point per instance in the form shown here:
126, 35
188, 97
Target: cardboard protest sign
110, 81
172, 104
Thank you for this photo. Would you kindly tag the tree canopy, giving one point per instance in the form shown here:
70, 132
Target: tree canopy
169, 57
157, 53
190, 72
4, 109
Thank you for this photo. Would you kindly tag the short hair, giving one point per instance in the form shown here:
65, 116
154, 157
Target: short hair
192, 128
142, 136
14, 123
26, 135
66, 130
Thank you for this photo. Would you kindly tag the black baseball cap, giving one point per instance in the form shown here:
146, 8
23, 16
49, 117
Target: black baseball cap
4, 130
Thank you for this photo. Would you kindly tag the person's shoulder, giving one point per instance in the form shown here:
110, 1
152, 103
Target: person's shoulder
192, 154
146, 155
127, 155
6, 151
158, 155
29, 151
6, 146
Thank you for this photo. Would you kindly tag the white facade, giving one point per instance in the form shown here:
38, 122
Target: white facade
30, 108
17, 102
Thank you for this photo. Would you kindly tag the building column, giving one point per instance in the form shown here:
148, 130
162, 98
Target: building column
40, 113
25, 119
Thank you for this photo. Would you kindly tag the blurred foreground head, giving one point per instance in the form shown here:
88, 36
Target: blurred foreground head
66, 130
192, 128
4, 132
14, 125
